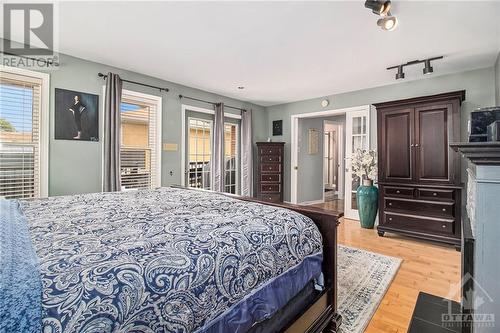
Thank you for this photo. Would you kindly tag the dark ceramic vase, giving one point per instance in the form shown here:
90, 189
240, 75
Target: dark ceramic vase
367, 199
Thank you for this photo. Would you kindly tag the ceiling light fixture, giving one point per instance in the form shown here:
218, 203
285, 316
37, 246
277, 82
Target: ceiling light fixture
400, 74
427, 69
381, 8
388, 22
241, 87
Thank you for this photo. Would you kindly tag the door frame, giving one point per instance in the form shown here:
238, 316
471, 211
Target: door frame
348, 211
294, 133
186, 108
340, 168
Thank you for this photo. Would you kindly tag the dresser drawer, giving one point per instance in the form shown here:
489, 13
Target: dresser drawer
272, 178
402, 192
420, 224
270, 188
442, 194
445, 209
270, 197
270, 158
267, 167
270, 150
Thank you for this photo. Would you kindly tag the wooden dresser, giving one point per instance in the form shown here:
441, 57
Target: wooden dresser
419, 174
270, 171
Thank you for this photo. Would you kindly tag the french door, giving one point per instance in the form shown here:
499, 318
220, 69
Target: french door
357, 137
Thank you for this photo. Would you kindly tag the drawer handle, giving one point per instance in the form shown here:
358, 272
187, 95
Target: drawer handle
398, 191
270, 151
434, 194
270, 178
444, 209
390, 203
270, 168
270, 158
390, 218
444, 226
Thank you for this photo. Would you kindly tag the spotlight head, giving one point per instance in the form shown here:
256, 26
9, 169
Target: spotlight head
428, 68
388, 23
400, 74
379, 7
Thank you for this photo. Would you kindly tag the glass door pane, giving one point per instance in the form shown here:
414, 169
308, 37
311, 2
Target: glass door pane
357, 137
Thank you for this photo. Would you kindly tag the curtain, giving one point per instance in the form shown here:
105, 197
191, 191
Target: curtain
112, 135
246, 154
217, 170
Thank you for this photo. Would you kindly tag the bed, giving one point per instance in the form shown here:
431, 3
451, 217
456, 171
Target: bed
166, 260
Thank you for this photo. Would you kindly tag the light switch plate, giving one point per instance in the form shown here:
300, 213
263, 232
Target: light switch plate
170, 146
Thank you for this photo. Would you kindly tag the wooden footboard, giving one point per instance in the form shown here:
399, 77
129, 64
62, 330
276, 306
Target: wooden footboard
321, 315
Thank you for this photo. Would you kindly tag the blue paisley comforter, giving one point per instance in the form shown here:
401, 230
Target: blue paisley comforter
167, 260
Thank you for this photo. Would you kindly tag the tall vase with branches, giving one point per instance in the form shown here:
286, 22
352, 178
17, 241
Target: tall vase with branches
364, 166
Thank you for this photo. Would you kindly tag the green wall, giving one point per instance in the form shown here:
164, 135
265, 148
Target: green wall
480, 92
75, 166
497, 80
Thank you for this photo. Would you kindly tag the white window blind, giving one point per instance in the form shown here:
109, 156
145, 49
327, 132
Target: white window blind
20, 105
139, 143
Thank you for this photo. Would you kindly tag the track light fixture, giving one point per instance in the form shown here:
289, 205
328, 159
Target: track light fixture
383, 8
427, 67
388, 23
400, 74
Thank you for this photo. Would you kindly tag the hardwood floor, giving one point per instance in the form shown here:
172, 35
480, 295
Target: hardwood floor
426, 266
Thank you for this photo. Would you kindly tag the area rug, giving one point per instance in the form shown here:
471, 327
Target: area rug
363, 278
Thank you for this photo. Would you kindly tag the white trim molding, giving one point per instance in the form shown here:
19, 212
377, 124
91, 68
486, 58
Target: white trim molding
184, 109
294, 140
158, 102
44, 127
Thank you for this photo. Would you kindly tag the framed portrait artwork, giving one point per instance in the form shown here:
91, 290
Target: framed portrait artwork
76, 116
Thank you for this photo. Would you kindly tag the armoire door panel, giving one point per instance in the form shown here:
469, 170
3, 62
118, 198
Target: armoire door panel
432, 143
398, 132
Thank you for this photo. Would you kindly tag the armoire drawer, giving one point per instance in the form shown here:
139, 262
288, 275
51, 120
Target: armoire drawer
401, 192
270, 197
267, 167
273, 178
270, 158
270, 150
270, 188
429, 193
436, 208
420, 224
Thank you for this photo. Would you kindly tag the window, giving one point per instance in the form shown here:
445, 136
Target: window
231, 157
198, 137
140, 143
199, 152
23, 134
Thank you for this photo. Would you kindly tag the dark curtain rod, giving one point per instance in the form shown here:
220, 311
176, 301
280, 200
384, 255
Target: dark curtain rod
203, 101
104, 76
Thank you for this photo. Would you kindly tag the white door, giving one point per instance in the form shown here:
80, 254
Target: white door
357, 136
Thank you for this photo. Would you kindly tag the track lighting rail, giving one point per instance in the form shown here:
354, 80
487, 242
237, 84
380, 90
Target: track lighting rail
427, 69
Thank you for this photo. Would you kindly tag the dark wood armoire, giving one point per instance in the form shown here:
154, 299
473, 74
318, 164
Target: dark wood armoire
419, 174
270, 171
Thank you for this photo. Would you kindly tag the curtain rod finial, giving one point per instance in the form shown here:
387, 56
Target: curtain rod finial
180, 96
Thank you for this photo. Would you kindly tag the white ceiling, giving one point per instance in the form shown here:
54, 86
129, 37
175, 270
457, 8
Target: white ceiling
280, 51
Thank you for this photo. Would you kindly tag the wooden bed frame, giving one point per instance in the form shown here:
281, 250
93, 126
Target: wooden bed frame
321, 315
